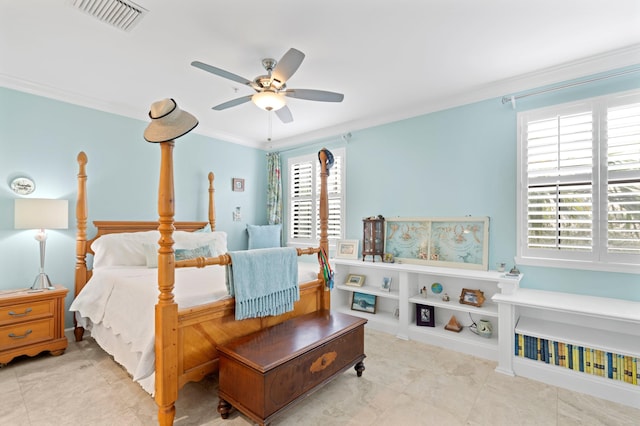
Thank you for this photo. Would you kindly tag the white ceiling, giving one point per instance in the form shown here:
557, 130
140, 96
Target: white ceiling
392, 59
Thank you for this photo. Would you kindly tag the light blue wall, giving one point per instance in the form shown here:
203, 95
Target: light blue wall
40, 138
462, 161
456, 162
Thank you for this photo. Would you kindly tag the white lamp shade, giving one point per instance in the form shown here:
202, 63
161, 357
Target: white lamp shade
268, 100
40, 213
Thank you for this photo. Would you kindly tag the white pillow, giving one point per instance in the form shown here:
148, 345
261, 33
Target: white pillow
128, 248
122, 249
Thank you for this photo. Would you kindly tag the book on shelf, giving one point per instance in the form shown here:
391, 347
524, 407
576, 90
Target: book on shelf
570, 356
596, 362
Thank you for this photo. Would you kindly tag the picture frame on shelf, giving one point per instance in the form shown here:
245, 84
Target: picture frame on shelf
472, 297
425, 316
456, 242
386, 284
355, 280
347, 249
363, 302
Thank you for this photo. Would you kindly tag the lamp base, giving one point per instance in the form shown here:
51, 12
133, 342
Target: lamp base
42, 282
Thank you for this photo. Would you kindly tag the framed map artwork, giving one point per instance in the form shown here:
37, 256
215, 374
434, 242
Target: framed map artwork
454, 242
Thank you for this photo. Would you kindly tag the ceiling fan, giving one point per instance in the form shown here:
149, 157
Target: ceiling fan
271, 89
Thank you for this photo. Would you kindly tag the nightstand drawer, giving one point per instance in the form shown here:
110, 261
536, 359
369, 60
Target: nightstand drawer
26, 311
13, 336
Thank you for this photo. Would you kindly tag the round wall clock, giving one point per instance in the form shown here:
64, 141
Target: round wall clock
22, 186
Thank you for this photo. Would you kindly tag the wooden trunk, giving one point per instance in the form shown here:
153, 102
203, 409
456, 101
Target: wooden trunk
265, 372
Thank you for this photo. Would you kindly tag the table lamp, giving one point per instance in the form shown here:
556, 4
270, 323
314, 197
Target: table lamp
38, 213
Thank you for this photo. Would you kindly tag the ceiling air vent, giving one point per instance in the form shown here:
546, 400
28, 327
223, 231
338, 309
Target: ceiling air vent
120, 14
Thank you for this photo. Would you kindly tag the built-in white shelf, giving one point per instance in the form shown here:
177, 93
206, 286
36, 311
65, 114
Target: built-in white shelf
606, 324
396, 309
605, 340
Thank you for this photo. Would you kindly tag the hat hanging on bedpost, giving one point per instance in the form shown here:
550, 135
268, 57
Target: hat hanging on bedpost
168, 122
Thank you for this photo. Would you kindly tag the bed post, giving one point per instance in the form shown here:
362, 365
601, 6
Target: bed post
324, 218
166, 345
212, 208
81, 236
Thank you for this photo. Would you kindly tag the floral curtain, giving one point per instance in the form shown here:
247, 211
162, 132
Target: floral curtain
274, 189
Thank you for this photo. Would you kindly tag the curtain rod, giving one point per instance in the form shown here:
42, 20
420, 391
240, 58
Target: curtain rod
512, 99
345, 137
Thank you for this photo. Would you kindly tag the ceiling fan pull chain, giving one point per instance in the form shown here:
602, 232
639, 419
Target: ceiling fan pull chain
269, 126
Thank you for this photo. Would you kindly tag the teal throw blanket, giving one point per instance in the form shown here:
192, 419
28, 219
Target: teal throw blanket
263, 281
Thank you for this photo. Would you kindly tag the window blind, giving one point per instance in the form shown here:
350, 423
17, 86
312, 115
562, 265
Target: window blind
580, 179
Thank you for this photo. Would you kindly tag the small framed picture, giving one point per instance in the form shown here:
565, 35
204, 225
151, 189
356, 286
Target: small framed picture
363, 302
386, 284
237, 184
347, 249
472, 297
355, 280
425, 316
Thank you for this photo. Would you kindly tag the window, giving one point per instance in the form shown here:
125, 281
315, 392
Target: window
304, 198
579, 180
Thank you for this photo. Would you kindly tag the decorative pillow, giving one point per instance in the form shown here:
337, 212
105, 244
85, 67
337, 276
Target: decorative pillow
217, 240
122, 249
264, 236
184, 254
207, 228
216, 243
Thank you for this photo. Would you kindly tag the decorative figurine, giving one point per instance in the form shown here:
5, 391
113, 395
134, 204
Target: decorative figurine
453, 325
514, 272
445, 297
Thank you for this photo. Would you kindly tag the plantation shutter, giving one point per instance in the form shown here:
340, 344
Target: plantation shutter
580, 181
623, 180
304, 198
559, 187
301, 175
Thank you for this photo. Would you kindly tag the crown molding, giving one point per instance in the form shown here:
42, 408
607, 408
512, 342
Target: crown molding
608, 61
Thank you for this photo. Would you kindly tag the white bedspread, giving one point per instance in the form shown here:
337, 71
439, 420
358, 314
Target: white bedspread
117, 306
120, 301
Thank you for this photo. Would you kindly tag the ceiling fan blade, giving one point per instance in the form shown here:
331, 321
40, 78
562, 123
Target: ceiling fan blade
288, 65
221, 72
284, 114
314, 95
232, 103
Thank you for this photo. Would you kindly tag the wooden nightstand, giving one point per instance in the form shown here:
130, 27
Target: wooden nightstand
32, 322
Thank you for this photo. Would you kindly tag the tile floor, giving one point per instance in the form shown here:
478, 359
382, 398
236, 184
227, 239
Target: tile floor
405, 383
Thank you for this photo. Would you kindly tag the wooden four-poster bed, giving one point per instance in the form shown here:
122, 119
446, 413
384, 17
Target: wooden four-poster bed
186, 339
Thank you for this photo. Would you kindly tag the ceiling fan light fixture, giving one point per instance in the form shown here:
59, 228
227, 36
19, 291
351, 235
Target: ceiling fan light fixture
268, 100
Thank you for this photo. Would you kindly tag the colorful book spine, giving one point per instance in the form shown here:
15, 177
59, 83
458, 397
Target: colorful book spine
620, 374
628, 377
521, 344
579, 358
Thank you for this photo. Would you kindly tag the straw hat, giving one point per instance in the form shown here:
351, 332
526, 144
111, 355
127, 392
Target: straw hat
168, 122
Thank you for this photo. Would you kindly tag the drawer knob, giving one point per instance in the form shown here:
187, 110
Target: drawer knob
25, 313
15, 336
